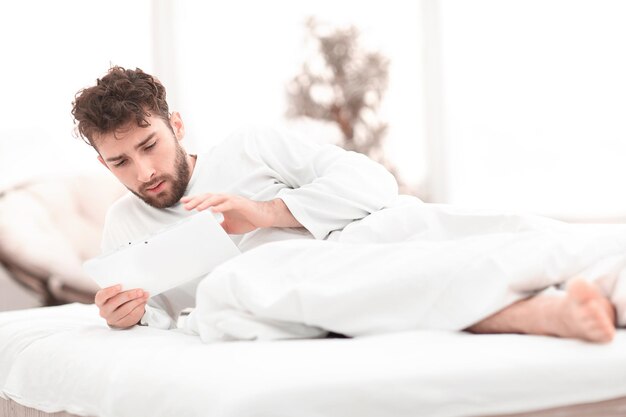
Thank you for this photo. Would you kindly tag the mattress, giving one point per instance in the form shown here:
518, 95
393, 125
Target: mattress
66, 359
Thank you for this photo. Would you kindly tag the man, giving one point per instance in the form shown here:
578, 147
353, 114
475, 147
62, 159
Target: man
269, 187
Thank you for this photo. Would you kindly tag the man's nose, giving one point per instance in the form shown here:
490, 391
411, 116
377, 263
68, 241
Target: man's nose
145, 171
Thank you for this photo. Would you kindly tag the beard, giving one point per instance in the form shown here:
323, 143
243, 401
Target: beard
178, 184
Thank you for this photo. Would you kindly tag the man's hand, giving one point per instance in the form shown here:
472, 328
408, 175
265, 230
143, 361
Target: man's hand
121, 309
242, 215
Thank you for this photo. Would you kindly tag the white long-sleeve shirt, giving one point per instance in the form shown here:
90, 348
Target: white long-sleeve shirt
324, 187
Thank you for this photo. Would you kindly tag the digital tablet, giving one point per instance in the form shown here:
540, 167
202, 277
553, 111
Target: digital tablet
181, 252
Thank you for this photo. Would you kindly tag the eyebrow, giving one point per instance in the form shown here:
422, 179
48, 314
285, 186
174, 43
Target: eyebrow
139, 145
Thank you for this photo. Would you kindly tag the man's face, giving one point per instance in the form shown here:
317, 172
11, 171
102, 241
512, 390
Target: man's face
149, 161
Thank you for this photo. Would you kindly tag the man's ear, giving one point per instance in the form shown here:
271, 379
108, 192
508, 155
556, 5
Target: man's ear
102, 162
177, 125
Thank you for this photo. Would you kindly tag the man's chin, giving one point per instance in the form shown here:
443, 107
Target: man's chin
162, 200
159, 203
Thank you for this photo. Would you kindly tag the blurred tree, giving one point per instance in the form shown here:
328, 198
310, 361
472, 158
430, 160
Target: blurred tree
344, 84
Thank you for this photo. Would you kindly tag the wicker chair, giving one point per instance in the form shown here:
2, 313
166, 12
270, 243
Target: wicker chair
48, 227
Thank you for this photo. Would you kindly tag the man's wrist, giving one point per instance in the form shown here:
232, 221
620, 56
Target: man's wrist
282, 216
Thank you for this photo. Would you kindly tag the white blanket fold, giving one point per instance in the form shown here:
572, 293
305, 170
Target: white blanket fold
411, 266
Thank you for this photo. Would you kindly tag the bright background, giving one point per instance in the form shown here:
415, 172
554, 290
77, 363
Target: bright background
512, 104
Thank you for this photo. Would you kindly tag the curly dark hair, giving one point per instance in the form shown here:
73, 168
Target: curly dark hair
120, 96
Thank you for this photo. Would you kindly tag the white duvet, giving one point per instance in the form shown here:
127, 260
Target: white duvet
410, 266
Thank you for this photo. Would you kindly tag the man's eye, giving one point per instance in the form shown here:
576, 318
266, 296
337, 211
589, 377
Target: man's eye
119, 164
150, 146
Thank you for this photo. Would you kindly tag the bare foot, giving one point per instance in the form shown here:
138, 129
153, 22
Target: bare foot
585, 314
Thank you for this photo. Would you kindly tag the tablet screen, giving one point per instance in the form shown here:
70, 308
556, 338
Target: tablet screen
181, 252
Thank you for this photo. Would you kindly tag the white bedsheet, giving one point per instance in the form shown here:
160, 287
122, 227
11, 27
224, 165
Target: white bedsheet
411, 266
65, 358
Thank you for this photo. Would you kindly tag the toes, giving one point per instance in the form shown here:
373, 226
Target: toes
589, 318
601, 335
597, 325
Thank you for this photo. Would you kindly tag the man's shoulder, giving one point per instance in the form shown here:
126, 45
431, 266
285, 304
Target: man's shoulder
245, 139
255, 138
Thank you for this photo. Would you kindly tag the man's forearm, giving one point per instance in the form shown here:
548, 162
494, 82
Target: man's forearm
282, 215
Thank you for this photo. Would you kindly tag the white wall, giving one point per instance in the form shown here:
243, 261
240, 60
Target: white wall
535, 103
51, 49
532, 90
224, 64
235, 58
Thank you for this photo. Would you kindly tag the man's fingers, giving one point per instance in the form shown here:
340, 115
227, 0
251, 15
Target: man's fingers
191, 202
213, 201
113, 303
203, 202
125, 310
220, 208
192, 197
219, 202
121, 316
105, 293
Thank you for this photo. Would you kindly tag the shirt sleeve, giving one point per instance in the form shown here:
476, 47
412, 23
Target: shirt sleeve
328, 187
157, 314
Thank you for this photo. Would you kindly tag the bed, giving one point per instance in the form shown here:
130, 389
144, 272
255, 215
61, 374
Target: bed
65, 360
